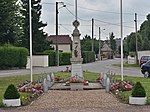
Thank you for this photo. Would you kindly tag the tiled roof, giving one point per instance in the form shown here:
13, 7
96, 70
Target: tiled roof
61, 39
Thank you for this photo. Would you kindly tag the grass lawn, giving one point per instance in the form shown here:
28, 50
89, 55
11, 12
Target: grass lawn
127, 65
5, 81
145, 82
123, 97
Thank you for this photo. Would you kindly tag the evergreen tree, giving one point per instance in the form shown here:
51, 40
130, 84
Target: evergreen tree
9, 21
112, 42
38, 35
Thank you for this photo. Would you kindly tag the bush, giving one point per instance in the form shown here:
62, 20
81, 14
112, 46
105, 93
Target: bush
11, 92
132, 54
51, 55
138, 90
13, 57
88, 56
64, 58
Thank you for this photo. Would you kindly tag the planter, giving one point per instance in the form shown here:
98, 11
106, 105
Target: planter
137, 100
11, 102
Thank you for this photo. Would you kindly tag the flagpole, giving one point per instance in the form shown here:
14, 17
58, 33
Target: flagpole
30, 24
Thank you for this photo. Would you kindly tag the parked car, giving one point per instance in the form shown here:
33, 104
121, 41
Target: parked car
145, 69
144, 59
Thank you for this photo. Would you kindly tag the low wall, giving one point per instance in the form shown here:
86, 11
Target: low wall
37, 61
131, 60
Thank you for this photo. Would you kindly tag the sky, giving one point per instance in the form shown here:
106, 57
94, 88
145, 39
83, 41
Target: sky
106, 14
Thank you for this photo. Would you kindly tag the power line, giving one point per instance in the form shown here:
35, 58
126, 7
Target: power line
112, 23
74, 15
95, 9
70, 24
48, 3
65, 28
104, 11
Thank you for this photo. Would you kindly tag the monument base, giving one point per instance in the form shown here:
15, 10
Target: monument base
76, 68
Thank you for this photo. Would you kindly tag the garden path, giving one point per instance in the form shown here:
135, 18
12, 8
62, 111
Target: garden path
77, 101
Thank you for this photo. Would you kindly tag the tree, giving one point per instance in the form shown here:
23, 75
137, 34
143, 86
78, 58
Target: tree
39, 36
86, 44
112, 42
145, 33
9, 21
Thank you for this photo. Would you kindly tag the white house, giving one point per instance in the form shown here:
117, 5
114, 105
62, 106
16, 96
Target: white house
64, 42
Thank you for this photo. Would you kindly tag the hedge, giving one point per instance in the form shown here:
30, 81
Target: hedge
51, 57
88, 56
11, 56
64, 58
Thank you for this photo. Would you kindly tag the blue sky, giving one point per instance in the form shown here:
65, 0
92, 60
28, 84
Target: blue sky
105, 13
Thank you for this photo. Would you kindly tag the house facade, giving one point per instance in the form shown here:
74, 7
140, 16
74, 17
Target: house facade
64, 42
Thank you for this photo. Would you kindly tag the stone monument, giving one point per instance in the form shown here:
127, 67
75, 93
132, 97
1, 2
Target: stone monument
76, 60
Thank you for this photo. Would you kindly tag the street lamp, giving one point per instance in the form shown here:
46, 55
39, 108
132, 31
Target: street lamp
57, 50
100, 42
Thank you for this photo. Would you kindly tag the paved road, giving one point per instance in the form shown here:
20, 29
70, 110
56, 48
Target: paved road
98, 66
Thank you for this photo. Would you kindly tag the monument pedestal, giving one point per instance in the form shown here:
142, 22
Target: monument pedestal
76, 68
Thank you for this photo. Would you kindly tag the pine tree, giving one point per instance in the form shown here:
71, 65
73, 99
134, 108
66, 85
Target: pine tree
9, 21
38, 35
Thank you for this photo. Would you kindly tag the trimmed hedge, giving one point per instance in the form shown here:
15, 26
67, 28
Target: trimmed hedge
88, 56
13, 57
64, 58
51, 57
11, 92
138, 90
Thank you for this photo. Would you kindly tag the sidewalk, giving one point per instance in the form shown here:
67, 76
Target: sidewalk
78, 101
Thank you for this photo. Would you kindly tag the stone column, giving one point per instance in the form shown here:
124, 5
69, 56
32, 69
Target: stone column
76, 60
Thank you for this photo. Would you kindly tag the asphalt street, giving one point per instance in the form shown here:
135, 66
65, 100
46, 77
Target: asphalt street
98, 67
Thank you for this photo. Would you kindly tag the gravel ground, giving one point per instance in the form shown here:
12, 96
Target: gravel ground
77, 101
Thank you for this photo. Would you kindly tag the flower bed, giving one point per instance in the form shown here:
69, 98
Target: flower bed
76, 79
34, 88
121, 86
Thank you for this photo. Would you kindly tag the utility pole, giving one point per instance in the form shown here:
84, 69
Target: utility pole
92, 34
57, 50
136, 37
99, 43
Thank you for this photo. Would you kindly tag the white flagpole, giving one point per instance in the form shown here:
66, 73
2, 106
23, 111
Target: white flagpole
30, 23
121, 40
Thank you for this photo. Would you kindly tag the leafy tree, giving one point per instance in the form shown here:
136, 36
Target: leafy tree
39, 36
86, 44
131, 43
9, 21
145, 33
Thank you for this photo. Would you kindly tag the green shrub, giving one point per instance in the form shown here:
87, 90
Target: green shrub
88, 56
64, 58
132, 54
11, 56
51, 55
11, 92
138, 90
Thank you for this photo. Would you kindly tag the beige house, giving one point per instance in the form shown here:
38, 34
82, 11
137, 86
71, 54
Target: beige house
64, 42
